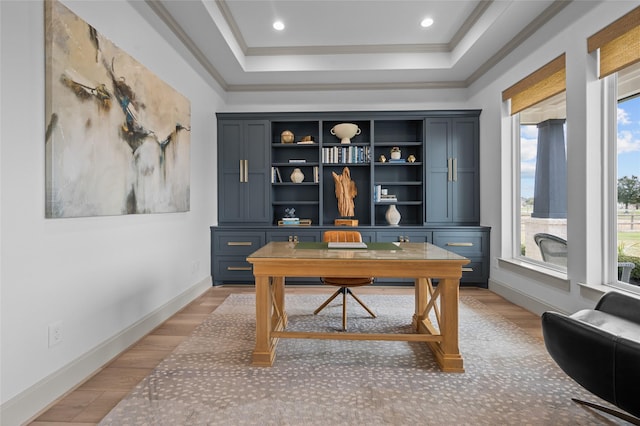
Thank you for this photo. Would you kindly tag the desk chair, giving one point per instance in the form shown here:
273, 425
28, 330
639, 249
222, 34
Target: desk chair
554, 250
344, 283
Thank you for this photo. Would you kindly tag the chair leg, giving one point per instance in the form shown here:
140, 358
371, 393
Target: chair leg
344, 292
615, 413
324, 305
361, 303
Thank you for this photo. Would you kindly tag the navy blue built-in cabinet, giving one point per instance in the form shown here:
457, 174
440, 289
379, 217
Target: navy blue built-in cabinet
437, 192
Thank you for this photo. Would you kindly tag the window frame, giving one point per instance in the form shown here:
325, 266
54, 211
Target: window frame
610, 177
517, 203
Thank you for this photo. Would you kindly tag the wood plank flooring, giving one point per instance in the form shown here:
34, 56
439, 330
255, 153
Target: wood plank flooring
91, 401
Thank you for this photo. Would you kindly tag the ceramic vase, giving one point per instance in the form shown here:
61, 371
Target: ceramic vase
392, 215
297, 176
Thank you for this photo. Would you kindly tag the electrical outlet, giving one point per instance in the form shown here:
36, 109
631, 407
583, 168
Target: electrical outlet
195, 266
55, 333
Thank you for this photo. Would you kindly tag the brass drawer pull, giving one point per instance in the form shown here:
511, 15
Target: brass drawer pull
460, 244
239, 243
467, 269
238, 268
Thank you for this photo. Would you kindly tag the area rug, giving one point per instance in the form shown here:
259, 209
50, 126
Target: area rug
209, 380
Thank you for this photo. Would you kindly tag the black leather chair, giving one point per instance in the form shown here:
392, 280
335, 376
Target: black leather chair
600, 349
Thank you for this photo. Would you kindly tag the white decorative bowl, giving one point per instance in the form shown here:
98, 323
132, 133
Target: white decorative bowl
345, 131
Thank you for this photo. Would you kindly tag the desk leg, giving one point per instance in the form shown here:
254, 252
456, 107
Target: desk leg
264, 352
450, 358
279, 317
421, 302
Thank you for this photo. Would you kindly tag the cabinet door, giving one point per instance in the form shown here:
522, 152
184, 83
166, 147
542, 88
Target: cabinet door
243, 171
466, 183
452, 177
230, 157
438, 161
257, 201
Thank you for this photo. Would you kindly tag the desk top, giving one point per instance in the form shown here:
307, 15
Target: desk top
406, 251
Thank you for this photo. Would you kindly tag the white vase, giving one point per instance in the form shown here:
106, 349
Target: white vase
297, 176
392, 215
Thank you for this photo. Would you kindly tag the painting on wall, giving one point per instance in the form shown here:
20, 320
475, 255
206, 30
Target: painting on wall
117, 139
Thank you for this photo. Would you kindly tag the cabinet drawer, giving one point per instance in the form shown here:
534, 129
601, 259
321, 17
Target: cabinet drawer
474, 271
294, 234
466, 243
232, 268
237, 243
404, 236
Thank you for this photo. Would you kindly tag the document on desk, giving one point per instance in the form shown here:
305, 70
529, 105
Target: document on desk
344, 245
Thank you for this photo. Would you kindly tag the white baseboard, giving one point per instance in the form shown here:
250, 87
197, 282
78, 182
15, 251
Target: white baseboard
31, 402
526, 301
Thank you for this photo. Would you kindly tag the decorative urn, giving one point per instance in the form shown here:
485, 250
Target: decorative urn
392, 215
286, 136
297, 176
396, 154
345, 131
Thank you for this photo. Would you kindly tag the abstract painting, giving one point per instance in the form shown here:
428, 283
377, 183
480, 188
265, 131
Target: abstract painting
117, 137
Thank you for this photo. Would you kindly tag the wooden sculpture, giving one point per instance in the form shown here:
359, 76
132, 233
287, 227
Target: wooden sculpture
345, 192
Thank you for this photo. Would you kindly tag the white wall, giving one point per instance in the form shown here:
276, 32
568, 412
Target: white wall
98, 276
567, 33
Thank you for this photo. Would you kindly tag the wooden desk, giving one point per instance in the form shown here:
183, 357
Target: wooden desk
422, 261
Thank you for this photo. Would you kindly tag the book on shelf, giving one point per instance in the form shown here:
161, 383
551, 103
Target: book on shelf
346, 154
316, 177
399, 160
293, 160
275, 175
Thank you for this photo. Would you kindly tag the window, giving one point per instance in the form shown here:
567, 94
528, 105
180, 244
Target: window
543, 183
538, 107
618, 49
627, 176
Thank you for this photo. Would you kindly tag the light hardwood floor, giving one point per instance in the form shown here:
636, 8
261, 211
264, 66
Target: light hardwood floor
91, 401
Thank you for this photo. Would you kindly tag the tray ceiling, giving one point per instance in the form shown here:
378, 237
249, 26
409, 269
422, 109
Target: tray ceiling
348, 44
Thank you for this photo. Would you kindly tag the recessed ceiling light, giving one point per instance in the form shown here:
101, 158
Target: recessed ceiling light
426, 22
278, 25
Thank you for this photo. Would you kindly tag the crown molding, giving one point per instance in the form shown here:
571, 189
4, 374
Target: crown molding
418, 85
524, 34
166, 17
347, 49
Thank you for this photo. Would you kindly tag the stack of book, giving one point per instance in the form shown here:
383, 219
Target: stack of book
291, 221
380, 195
387, 198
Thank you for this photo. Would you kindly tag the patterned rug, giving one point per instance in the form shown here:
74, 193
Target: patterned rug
209, 380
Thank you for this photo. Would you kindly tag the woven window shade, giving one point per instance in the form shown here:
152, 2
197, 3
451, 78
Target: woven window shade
619, 43
542, 84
